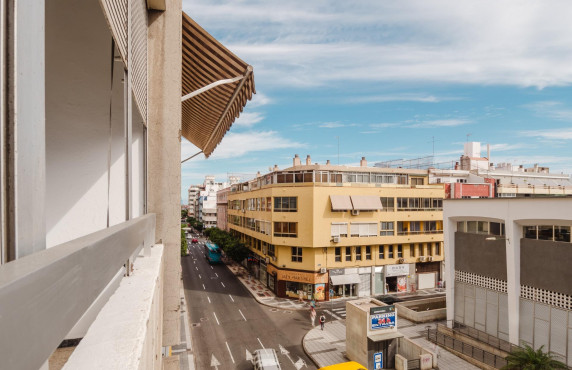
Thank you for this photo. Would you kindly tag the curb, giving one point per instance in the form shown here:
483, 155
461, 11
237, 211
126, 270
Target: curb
306, 351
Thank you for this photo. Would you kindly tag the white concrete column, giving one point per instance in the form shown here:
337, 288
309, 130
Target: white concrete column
25, 128
449, 229
513, 235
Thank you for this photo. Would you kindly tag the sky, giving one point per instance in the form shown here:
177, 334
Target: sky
386, 80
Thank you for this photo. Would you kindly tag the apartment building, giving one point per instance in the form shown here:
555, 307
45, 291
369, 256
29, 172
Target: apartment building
508, 269
327, 231
222, 209
207, 204
193, 200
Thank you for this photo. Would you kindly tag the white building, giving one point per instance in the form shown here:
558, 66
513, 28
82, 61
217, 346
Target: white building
208, 201
508, 269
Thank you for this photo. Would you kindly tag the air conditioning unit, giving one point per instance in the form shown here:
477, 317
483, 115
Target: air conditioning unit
422, 259
355, 212
401, 260
429, 258
323, 270
336, 239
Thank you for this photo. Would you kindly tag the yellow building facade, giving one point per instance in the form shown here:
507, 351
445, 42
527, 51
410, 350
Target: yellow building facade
324, 231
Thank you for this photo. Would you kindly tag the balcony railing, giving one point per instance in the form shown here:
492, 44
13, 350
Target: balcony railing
43, 295
420, 232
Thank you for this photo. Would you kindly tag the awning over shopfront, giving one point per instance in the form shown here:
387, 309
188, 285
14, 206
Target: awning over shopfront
366, 202
341, 203
345, 279
223, 84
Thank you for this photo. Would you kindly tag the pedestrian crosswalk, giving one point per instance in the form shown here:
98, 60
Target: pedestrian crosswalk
338, 313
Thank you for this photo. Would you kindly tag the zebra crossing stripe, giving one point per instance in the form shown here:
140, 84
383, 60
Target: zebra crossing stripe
332, 314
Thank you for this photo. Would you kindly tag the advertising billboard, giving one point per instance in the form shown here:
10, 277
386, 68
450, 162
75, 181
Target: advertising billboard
382, 317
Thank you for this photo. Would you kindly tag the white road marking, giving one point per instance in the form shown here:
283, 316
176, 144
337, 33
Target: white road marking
194, 261
216, 318
222, 284
227, 347
242, 315
212, 268
232, 299
215, 273
200, 276
197, 268
260, 343
209, 299
204, 287
333, 314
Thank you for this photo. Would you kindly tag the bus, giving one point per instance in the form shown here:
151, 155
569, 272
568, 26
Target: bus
212, 252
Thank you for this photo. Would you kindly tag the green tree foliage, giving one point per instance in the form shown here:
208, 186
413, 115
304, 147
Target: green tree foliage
199, 226
183, 243
528, 359
184, 213
231, 246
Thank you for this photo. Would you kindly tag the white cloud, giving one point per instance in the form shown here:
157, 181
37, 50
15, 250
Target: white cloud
300, 43
551, 109
550, 134
258, 100
238, 144
248, 119
398, 97
383, 125
331, 125
440, 123
504, 147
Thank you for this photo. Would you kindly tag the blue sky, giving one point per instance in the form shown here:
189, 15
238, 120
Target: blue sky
387, 77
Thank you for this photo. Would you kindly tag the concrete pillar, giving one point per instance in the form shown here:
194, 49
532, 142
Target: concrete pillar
164, 152
450, 227
513, 235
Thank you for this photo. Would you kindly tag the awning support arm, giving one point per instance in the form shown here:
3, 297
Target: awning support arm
247, 73
210, 86
191, 157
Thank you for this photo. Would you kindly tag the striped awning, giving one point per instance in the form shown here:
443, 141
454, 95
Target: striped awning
341, 203
366, 202
207, 117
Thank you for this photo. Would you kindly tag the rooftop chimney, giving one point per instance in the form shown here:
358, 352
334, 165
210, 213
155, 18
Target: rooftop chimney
258, 174
275, 167
363, 162
308, 160
328, 162
296, 161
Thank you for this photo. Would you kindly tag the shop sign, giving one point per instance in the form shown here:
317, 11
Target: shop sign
302, 277
397, 270
364, 270
271, 269
335, 272
378, 360
381, 309
383, 320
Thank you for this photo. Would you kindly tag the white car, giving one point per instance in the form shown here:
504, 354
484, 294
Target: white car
265, 359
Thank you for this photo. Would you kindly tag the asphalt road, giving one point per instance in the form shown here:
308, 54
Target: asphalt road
227, 322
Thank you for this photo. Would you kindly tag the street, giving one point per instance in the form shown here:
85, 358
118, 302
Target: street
228, 324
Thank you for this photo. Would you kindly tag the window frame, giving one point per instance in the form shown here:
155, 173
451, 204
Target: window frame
295, 256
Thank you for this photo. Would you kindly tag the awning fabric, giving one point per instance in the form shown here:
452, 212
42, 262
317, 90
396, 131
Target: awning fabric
208, 116
366, 202
341, 203
345, 279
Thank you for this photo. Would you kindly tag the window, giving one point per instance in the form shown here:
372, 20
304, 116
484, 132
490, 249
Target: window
432, 227
338, 252
271, 250
495, 228
438, 248
412, 250
399, 251
461, 226
339, 229
420, 249
363, 229
268, 204
285, 204
562, 233
296, 254
348, 253
358, 253
545, 232
386, 228
381, 252
368, 252
416, 181
387, 204
430, 249
286, 229
390, 252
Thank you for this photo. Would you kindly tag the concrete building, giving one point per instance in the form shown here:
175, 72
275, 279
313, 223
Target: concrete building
357, 231
207, 213
193, 202
222, 209
508, 269
90, 209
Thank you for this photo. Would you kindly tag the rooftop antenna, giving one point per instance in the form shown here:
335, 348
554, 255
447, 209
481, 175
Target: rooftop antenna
433, 157
468, 137
338, 150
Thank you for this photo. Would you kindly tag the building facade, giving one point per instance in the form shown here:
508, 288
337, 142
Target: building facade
193, 202
325, 231
508, 269
222, 208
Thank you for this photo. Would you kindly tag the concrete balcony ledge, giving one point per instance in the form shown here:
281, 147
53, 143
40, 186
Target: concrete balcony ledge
127, 331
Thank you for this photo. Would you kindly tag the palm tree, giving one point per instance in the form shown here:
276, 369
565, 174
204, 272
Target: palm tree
528, 359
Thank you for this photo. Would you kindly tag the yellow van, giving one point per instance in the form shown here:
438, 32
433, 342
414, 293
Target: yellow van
352, 365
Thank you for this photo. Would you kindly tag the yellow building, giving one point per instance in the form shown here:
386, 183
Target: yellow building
322, 230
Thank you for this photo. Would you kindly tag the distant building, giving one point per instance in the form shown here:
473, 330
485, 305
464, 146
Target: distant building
352, 231
508, 269
222, 208
193, 202
207, 204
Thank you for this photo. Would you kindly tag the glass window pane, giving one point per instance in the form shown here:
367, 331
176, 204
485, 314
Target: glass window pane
471, 226
495, 228
562, 233
545, 232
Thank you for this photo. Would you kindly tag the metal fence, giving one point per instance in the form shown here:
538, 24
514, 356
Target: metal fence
479, 335
467, 349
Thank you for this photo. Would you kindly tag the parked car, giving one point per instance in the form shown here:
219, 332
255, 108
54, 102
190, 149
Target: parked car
265, 359
195, 240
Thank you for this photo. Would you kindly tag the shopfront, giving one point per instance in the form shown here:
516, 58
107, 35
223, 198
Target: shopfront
428, 274
263, 274
271, 273
396, 278
344, 282
301, 285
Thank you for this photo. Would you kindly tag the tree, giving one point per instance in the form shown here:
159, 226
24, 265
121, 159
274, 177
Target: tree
183, 243
528, 359
231, 246
184, 213
199, 226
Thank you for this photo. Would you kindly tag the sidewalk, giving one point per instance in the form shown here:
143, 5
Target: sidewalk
261, 293
328, 347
